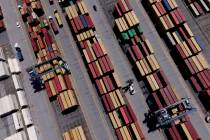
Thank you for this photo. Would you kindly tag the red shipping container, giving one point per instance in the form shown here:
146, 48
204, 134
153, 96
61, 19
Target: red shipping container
92, 70
99, 87
47, 86
96, 69
172, 93
137, 52
163, 94
118, 133
117, 9
77, 24
57, 84
201, 81
99, 49
89, 54
60, 103
105, 104
131, 55
180, 51
189, 67
131, 112
109, 63
133, 41
158, 80
171, 134
74, 27
94, 47
121, 6
106, 83
174, 18
109, 100
125, 118
89, 21
157, 101
67, 81
111, 84
195, 84
192, 130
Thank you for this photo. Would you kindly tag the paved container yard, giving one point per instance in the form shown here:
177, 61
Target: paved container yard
50, 123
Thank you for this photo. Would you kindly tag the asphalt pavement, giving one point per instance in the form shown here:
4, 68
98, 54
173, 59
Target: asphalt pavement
167, 64
41, 110
120, 62
182, 87
91, 107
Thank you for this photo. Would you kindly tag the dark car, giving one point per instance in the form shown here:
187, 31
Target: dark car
19, 54
94, 8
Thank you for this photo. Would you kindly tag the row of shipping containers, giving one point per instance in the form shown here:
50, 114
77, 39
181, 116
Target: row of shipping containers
4, 72
76, 133
198, 7
185, 48
141, 55
2, 26
57, 80
16, 104
101, 71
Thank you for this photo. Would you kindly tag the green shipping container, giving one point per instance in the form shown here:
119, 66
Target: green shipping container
125, 36
42, 25
139, 30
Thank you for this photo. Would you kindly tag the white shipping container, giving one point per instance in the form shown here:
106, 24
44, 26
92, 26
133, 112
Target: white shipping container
18, 122
11, 66
2, 56
22, 98
14, 65
8, 104
32, 134
27, 116
17, 82
17, 136
4, 72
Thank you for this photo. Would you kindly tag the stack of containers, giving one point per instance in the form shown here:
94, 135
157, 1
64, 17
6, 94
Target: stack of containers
58, 84
198, 7
184, 45
102, 72
76, 133
141, 55
4, 73
56, 80
16, 104
2, 26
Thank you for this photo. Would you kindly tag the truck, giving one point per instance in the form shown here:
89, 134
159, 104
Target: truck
58, 18
53, 25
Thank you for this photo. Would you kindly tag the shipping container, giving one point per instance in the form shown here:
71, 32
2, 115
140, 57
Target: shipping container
32, 133
58, 18
27, 116
17, 82
18, 122
10, 104
4, 72
22, 98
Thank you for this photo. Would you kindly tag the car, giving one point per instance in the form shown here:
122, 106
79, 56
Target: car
131, 90
51, 2
19, 54
18, 24
94, 8
207, 117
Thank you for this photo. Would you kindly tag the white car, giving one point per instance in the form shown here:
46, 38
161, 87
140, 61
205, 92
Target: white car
131, 89
207, 118
18, 24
